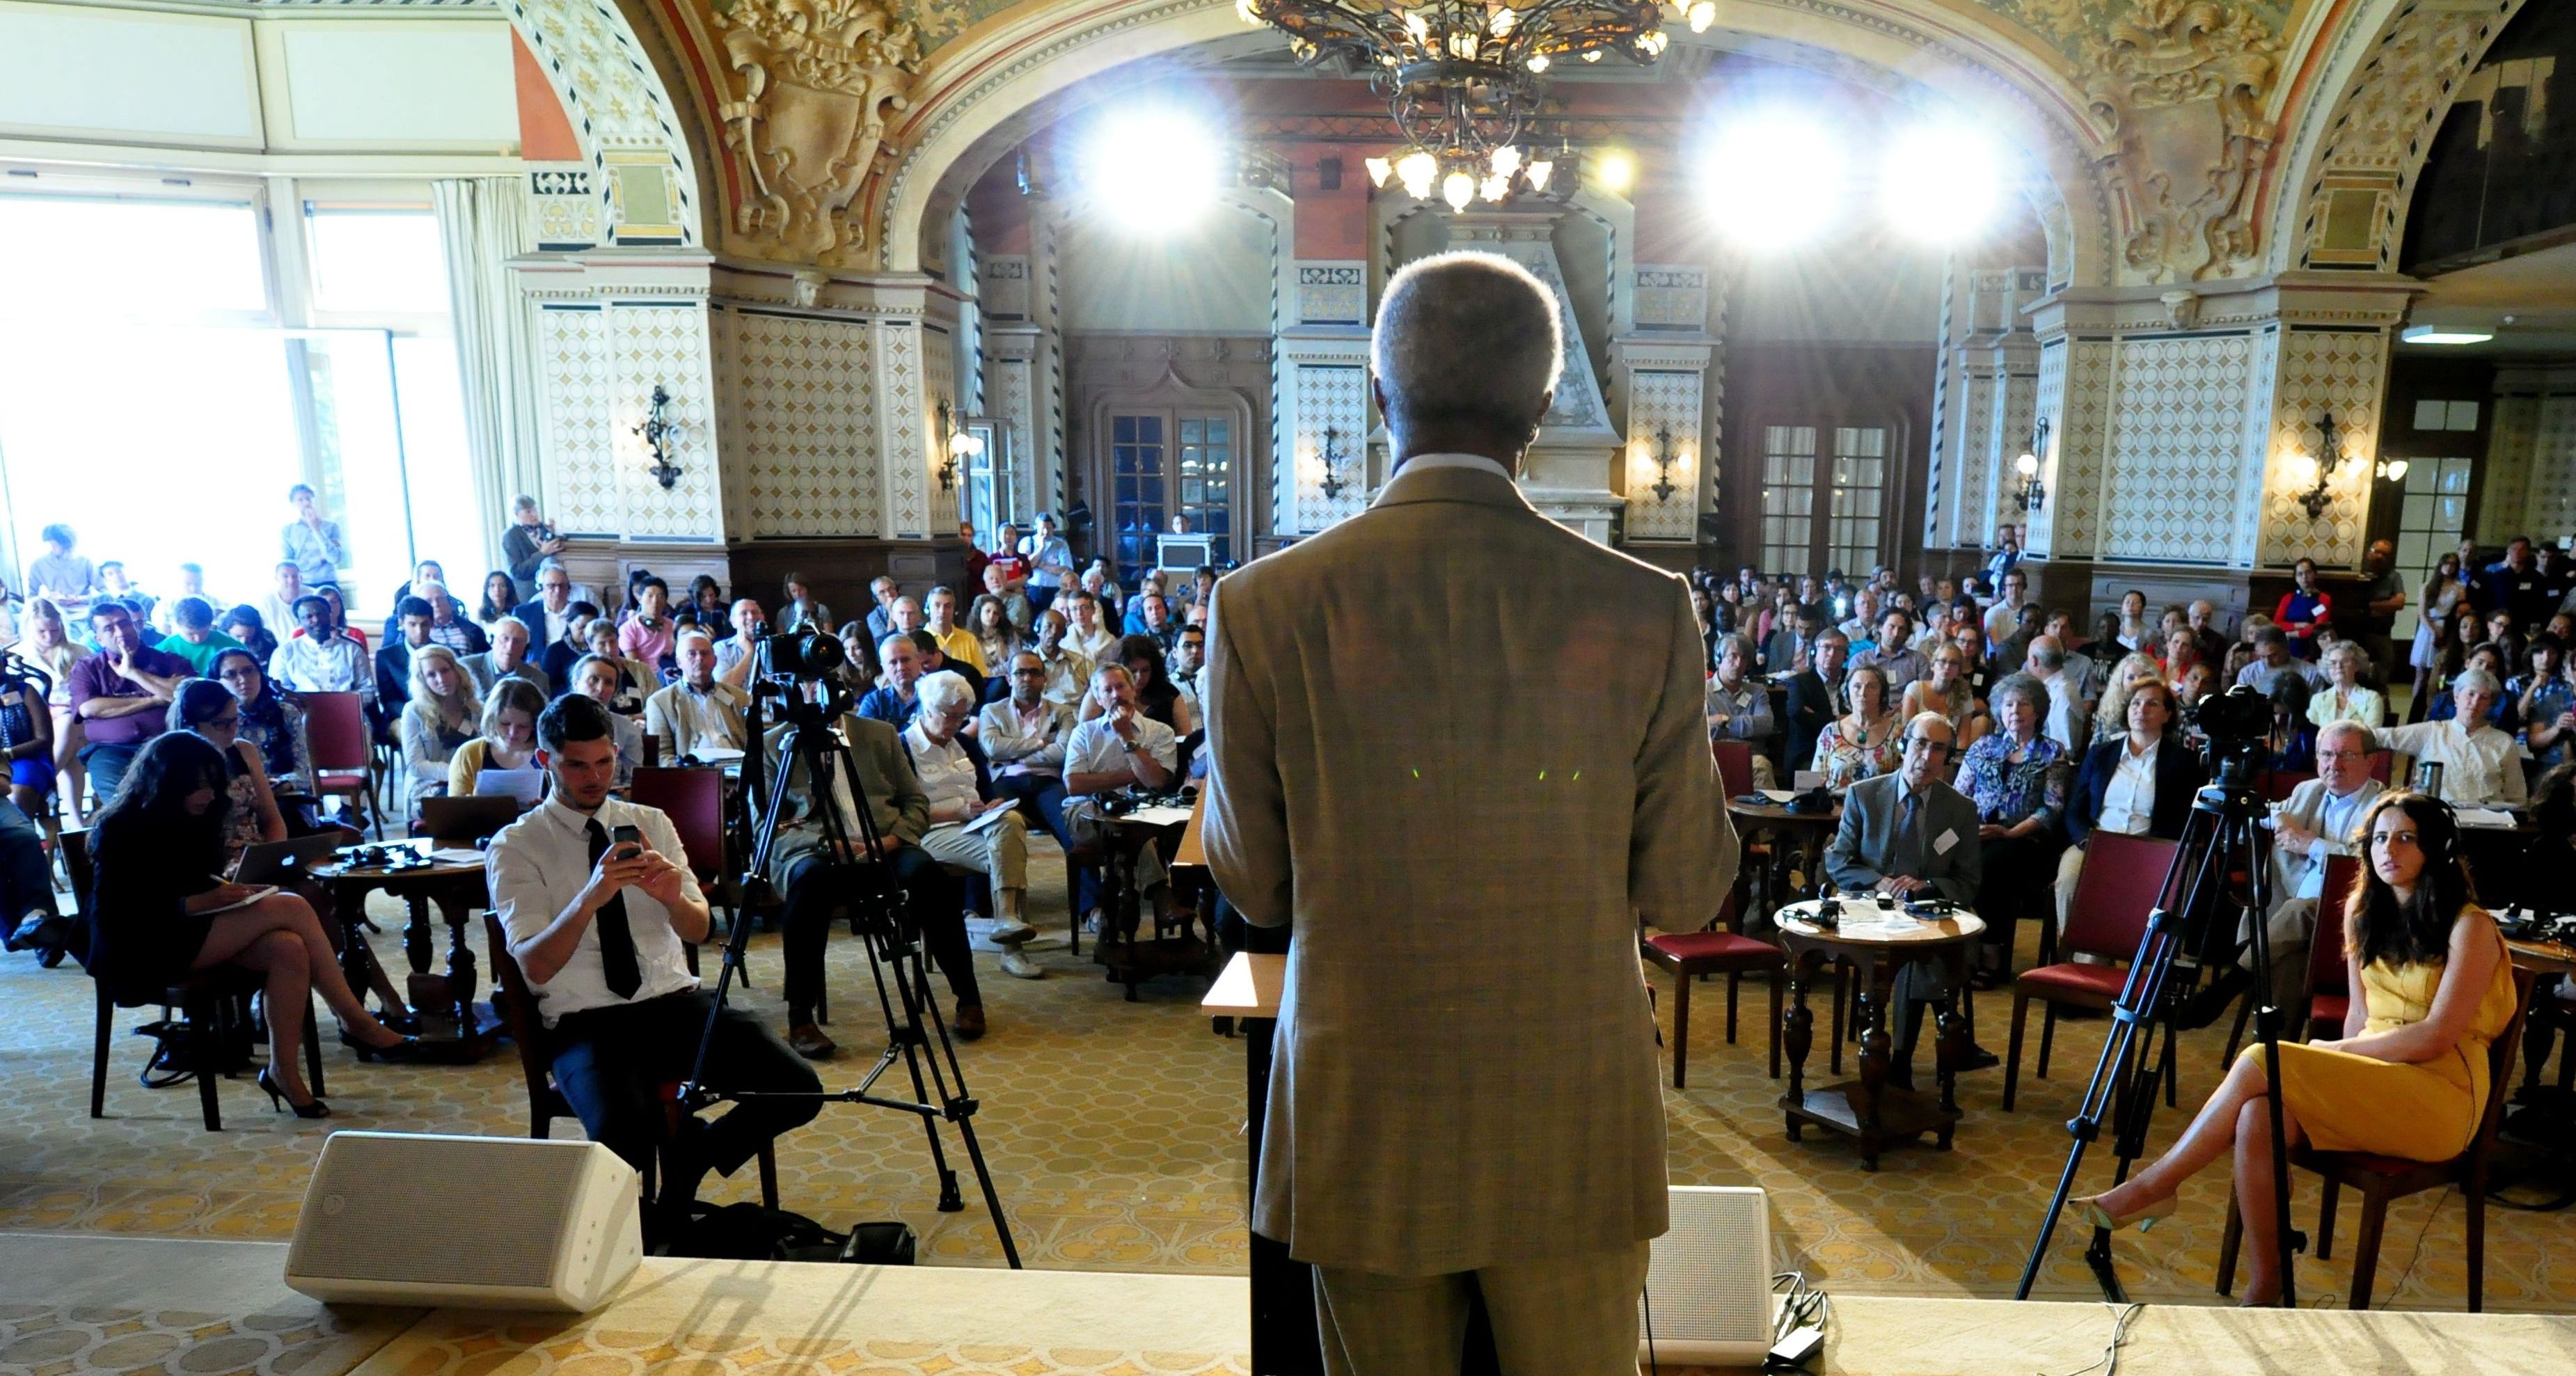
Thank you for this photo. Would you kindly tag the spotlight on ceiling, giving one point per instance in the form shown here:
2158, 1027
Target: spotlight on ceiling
1615, 170
1941, 182
2444, 334
1153, 168
1773, 179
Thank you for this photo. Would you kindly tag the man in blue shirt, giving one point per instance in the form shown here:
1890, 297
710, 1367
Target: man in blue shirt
895, 704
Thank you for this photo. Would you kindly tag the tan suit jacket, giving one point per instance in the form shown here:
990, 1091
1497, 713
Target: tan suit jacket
1462, 747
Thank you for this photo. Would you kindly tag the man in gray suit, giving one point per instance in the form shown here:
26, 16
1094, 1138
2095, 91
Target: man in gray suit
1465, 1097
1909, 834
2313, 824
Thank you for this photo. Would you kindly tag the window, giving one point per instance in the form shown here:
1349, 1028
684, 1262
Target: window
1860, 486
376, 261
1137, 497
1207, 479
1800, 534
1166, 463
1788, 497
991, 494
2429, 520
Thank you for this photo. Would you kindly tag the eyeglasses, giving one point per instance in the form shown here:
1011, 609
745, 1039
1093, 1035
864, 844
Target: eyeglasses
1029, 673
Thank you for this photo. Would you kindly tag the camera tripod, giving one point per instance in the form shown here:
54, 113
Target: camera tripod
2223, 836
881, 917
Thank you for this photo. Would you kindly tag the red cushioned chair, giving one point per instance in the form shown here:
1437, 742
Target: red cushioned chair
694, 801
2383, 1178
2327, 998
2278, 783
335, 728
2123, 875
1719, 950
1734, 766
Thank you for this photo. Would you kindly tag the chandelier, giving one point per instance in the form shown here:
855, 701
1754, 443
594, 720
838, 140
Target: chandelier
1462, 77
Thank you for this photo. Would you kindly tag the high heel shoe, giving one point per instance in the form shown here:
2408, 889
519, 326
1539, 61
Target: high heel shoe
408, 1051
312, 1108
2089, 1208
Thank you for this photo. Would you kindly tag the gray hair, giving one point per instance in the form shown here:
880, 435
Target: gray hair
1468, 338
2048, 654
2479, 679
944, 691
2025, 686
523, 502
2346, 725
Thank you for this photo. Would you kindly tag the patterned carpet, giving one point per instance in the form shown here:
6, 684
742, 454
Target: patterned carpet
1112, 1129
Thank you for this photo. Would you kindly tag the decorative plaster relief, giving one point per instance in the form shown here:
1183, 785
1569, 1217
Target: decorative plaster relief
1002, 286
563, 212
612, 97
2182, 85
817, 80
1332, 291
2177, 447
1672, 296
805, 405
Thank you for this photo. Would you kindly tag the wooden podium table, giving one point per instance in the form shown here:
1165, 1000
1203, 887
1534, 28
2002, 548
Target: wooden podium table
1283, 1288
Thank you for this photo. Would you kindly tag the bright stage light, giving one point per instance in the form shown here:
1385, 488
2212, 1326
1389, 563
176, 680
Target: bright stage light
1615, 171
1773, 179
1941, 183
1154, 168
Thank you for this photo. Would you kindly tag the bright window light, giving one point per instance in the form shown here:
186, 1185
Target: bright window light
1940, 183
1773, 180
158, 259
377, 261
1154, 168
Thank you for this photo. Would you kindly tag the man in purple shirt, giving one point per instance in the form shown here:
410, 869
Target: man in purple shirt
121, 694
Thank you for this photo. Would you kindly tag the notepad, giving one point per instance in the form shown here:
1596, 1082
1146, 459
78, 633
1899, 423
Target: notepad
988, 819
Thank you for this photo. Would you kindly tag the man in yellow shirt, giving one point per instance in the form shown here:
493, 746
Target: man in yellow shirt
955, 641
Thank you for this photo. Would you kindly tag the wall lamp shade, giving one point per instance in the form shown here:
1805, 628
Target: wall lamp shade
2443, 334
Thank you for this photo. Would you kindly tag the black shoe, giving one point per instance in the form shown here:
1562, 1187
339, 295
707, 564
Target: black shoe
310, 1108
1978, 1058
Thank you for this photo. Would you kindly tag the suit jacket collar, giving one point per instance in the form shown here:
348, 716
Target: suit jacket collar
1452, 484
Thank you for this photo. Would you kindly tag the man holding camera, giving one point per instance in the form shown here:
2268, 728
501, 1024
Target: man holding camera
596, 896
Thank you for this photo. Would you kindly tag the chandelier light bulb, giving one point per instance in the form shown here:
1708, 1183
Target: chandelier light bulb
1247, 11
1502, 23
1378, 169
1538, 62
1539, 172
2027, 465
1652, 44
1495, 187
1507, 160
1418, 170
1418, 26
1458, 188
1592, 55
1702, 14
1462, 45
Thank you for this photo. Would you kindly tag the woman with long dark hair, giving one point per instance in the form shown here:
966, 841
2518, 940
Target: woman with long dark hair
160, 913
244, 624
500, 597
271, 721
2433, 987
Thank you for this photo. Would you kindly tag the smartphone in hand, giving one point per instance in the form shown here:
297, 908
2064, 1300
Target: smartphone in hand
626, 842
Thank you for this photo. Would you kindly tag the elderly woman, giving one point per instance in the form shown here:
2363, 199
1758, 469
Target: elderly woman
2481, 765
1864, 742
2491, 659
2345, 698
1945, 691
1739, 705
441, 717
954, 775
2018, 778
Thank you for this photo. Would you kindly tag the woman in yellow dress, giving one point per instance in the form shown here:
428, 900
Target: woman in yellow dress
2409, 1076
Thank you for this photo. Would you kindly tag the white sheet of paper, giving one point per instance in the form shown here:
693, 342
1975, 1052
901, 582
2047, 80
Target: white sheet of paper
457, 855
1806, 779
1947, 839
2485, 817
988, 819
1778, 795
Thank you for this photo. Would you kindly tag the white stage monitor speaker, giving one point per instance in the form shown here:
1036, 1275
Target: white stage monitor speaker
465, 1222
1708, 1284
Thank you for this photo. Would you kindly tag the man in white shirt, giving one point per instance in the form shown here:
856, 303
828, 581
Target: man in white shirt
951, 778
1120, 747
1091, 633
699, 712
1050, 564
1189, 651
321, 660
508, 658
2068, 712
599, 928
1068, 670
278, 608
738, 655
2315, 823
1023, 737
2005, 615
2481, 765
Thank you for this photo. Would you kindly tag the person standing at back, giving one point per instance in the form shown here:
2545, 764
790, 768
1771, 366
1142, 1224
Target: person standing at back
1465, 1096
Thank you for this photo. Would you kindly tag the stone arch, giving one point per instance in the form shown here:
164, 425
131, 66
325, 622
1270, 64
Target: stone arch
2351, 166
620, 112
976, 91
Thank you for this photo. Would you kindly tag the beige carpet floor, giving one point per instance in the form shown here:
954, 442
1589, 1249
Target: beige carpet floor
1113, 1133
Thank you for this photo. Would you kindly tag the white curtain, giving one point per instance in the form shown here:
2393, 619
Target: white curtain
482, 224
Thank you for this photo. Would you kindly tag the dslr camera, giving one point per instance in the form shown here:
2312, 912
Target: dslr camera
800, 656
2237, 722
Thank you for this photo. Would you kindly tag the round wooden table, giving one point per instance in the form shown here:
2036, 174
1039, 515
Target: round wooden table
449, 1015
1877, 941
1798, 840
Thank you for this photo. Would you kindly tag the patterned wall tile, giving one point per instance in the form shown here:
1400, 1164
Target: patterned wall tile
573, 374
2551, 511
1012, 395
2321, 372
2016, 395
563, 210
904, 415
2177, 445
1971, 474
1332, 291
939, 382
2505, 473
2048, 400
1672, 296
2082, 442
666, 346
805, 406
1670, 400
1333, 395
606, 82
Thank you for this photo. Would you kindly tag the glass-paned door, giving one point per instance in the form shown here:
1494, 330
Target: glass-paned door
1859, 495
1206, 493
991, 493
2429, 521
1137, 474
1788, 498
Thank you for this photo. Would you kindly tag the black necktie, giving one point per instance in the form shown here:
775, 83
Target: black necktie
1909, 838
616, 943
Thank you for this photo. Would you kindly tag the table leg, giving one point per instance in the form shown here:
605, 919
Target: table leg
349, 909
416, 933
1797, 1028
1874, 1060
460, 963
1953, 1033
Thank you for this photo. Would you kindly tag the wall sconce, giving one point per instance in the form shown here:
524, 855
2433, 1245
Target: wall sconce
962, 444
2392, 470
1332, 483
2329, 458
2033, 495
1663, 458
660, 435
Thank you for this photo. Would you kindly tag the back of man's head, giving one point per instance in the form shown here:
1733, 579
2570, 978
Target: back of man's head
571, 718
1466, 341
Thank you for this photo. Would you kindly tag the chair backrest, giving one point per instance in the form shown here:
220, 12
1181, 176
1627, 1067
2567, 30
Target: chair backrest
335, 726
2278, 783
2381, 763
2500, 1057
1734, 766
694, 801
75, 846
2123, 879
2327, 973
517, 1006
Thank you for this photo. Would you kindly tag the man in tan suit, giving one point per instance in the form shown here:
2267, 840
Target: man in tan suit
1463, 835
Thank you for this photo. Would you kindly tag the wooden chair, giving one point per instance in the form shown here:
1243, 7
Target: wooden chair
2278, 783
2327, 999
1720, 949
1734, 766
526, 1029
2384, 1178
2123, 876
207, 1006
335, 726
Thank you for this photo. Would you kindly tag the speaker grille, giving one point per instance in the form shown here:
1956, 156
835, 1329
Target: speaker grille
1710, 1276
437, 1210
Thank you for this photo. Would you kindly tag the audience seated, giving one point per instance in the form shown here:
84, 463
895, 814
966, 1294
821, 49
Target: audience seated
2544, 701
1117, 747
1815, 695
997, 637
121, 695
413, 619
955, 642
2292, 742
880, 618
1739, 705
1902, 834
599, 679
1864, 742
1090, 637
1023, 738
251, 814
2140, 783
2110, 717
2481, 766
272, 721
2315, 823
1893, 654
27, 740
645, 634
1068, 670
635, 678
441, 712
2018, 779
699, 712
955, 777
155, 918
322, 660
507, 736
2068, 709
549, 615
500, 603
1013, 596
599, 930
508, 658
706, 600
936, 660
1945, 690
195, 640
798, 608
895, 701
